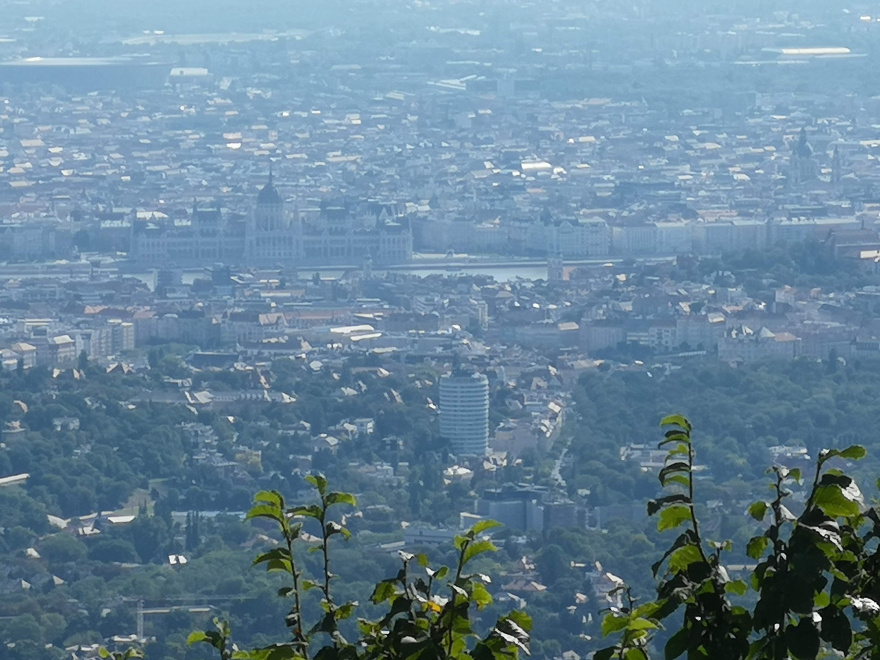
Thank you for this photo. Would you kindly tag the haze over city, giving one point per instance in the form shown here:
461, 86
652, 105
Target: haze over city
460, 258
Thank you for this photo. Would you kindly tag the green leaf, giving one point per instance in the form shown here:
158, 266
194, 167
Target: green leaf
511, 640
345, 611
613, 623
327, 624
684, 557
310, 511
681, 449
277, 559
680, 541
272, 497
758, 510
480, 595
679, 468
439, 574
680, 479
757, 546
648, 610
335, 528
642, 624
283, 565
737, 587
383, 591
484, 525
461, 627
676, 420
635, 654
681, 441
196, 637
477, 548
803, 640
274, 553
341, 498
854, 452
104, 653
673, 517
677, 644
266, 511
832, 501
836, 628
826, 454
507, 629
274, 652
319, 481
605, 654
521, 619
655, 505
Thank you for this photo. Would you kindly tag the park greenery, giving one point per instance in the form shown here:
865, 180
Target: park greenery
803, 265
131, 453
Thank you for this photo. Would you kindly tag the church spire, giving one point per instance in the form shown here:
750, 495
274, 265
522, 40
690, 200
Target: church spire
268, 193
803, 149
835, 167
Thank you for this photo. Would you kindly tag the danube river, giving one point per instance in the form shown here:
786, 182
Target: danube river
500, 269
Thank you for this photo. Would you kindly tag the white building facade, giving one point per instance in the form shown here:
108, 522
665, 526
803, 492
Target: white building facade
464, 413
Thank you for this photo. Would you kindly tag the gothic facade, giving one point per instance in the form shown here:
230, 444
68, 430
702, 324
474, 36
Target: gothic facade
276, 236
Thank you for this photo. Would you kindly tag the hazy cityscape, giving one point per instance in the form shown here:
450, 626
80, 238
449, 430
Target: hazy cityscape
459, 257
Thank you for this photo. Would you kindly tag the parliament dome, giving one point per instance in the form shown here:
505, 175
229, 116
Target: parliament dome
269, 193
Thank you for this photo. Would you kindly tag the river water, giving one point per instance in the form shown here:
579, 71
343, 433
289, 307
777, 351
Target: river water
500, 273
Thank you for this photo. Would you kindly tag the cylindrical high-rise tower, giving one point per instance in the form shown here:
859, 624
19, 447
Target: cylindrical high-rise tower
464, 413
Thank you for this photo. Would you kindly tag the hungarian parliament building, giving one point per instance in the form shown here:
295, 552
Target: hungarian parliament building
274, 236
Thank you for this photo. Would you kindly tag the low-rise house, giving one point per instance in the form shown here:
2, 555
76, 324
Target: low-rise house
27, 353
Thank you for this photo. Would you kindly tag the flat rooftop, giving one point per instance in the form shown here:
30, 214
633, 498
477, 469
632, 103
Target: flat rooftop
72, 62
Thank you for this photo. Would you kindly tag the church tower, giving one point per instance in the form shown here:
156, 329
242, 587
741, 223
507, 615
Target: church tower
555, 268
835, 168
802, 166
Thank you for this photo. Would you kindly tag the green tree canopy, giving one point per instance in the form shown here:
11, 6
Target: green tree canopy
812, 593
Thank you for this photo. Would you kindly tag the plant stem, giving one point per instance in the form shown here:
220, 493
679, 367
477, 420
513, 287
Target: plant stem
452, 602
781, 565
819, 464
695, 524
298, 633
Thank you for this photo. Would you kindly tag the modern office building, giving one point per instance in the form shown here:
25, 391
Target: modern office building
464, 413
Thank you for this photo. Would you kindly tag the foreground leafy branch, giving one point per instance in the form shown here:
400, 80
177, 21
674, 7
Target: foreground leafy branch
813, 592
419, 622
